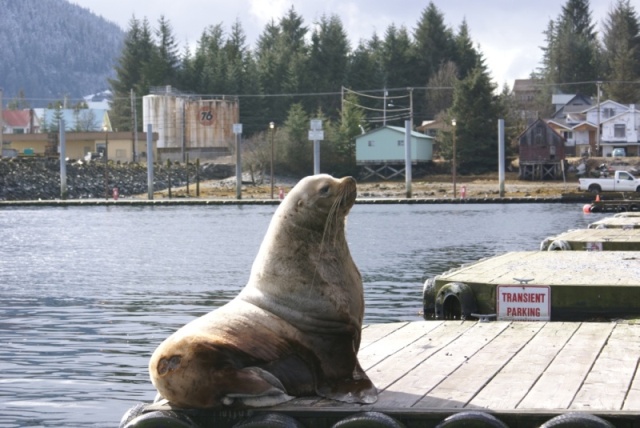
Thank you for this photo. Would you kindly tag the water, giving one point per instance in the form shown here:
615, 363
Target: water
87, 293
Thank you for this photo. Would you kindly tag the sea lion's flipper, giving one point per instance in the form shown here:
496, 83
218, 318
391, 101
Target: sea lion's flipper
265, 389
357, 389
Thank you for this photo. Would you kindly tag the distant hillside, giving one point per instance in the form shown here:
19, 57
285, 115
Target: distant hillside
52, 48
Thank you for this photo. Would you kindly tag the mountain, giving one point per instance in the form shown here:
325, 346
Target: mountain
50, 49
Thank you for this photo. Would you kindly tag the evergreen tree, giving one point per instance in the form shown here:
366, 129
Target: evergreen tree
476, 111
235, 50
621, 38
281, 50
251, 108
397, 60
362, 69
467, 57
571, 57
165, 62
352, 121
434, 43
296, 150
130, 74
328, 62
207, 66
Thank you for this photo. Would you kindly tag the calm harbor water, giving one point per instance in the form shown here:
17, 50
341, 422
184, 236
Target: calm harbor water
87, 293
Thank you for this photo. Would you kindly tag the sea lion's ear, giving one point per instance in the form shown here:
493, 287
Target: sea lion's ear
300, 202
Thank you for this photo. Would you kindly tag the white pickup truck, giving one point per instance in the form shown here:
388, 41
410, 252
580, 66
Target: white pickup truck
622, 181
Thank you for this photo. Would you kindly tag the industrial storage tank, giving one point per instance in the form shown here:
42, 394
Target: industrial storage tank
186, 124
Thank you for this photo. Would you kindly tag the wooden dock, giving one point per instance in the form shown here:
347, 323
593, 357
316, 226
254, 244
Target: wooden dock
522, 373
594, 240
578, 285
615, 205
627, 222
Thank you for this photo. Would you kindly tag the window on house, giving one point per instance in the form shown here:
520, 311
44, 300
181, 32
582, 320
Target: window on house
568, 135
619, 131
370, 143
608, 112
400, 143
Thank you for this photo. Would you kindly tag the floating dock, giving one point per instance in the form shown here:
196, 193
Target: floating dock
594, 240
522, 374
615, 205
627, 222
539, 285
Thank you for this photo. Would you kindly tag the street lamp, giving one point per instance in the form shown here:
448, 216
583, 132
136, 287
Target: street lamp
106, 164
453, 166
272, 126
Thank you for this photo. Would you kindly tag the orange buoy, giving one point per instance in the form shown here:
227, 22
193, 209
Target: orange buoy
586, 208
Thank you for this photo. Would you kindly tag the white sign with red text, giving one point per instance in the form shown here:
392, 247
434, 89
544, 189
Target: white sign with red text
523, 302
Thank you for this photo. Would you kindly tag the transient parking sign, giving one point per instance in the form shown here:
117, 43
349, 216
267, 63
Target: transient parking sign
523, 302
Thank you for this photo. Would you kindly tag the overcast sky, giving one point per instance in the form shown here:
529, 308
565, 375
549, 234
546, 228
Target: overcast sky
508, 33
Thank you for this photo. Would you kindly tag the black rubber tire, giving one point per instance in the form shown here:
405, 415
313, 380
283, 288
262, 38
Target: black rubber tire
455, 300
559, 245
472, 419
269, 420
131, 414
368, 420
595, 189
429, 299
163, 418
577, 420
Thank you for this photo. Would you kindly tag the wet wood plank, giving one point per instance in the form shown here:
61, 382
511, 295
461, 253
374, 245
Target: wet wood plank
505, 366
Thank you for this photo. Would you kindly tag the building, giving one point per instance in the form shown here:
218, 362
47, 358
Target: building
579, 121
80, 145
20, 122
541, 151
381, 152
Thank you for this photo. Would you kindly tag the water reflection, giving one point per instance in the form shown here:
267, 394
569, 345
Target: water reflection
87, 293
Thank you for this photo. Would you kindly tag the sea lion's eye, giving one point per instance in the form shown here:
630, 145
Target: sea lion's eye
325, 189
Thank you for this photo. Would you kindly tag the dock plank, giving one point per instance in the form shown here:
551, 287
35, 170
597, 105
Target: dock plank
389, 371
507, 389
562, 379
394, 342
466, 382
381, 330
609, 379
423, 378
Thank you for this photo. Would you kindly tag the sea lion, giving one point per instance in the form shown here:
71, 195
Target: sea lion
294, 330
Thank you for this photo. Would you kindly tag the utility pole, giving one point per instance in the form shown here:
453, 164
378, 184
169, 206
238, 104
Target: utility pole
134, 126
1, 121
598, 84
384, 108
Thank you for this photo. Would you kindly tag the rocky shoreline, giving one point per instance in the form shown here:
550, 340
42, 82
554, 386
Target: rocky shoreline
39, 178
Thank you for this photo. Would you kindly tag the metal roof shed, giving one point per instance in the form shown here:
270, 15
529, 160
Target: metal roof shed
386, 145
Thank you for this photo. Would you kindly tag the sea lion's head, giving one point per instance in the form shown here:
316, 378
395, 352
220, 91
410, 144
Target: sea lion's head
319, 201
